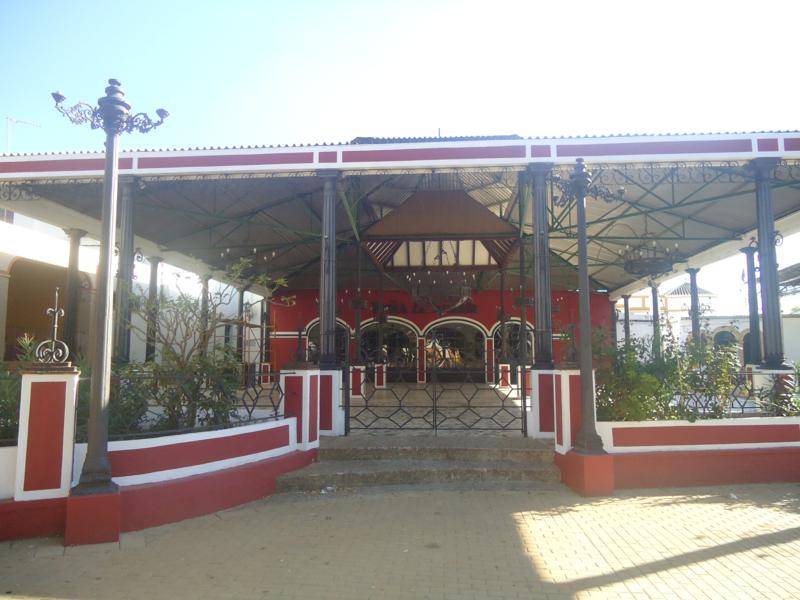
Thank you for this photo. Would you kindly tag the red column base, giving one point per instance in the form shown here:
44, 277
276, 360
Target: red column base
93, 519
587, 474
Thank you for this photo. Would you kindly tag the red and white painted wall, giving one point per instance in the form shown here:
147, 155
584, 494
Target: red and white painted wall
646, 454
299, 312
161, 479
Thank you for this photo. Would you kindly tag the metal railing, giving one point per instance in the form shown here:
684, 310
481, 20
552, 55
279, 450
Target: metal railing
156, 403
749, 394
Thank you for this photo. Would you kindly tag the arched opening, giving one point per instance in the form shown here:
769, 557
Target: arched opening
456, 351
508, 350
724, 338
511, 333
342, 342
393, 344
31, 291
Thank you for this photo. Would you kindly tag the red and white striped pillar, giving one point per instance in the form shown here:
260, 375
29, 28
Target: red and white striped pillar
380, 376
541, 417
301, 400
505, 375
266, 375
331, 408
567, 388
357, 381
46, 432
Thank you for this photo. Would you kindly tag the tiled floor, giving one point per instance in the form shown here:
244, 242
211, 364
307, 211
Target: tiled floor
732, 542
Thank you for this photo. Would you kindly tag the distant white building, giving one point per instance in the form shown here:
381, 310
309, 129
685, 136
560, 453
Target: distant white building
722, 329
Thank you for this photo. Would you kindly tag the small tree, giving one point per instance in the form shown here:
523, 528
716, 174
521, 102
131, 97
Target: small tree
195, 382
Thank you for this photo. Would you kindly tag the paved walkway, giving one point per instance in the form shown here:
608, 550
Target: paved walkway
737, 542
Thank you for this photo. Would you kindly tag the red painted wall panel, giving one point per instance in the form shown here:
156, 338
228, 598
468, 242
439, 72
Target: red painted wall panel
400, 304
32, 518
663, 147
45, 166
293, 401
185, 454
706, 467
470, 152
45, 436
705, 434
229, 160
178, 499
325, 402
327, 157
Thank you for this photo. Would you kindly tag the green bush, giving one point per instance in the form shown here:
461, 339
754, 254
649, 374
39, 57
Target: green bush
634, 383
9, 405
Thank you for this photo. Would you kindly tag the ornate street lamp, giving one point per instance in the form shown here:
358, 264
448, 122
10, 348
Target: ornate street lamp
112, 115
580, 186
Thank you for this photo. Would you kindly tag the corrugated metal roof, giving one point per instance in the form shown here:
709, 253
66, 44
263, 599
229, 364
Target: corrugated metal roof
422, 140
685, 289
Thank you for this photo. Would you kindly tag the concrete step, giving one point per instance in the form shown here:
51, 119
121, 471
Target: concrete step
526, 456
335, 474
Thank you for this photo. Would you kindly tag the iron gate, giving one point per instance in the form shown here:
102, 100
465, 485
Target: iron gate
453, 397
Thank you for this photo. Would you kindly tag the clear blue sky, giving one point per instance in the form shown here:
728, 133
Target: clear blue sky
278, 72
271, 72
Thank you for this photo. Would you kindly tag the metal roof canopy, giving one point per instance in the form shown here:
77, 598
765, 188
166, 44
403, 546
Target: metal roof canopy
213, 207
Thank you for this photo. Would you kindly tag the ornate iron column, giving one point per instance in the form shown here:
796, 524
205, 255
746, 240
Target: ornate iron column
580, 185
327, 284
73, 291
122, 320
752, 304
240, 326
113, 116
543, 335
524, 195
656, 321
358, 303
587, 440
694, 310
152, 309
503, 319
768, 264
627, 319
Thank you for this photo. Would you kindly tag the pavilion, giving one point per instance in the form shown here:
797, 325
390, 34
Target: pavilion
437, 249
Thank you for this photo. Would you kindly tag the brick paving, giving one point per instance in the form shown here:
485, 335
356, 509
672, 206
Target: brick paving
403, 543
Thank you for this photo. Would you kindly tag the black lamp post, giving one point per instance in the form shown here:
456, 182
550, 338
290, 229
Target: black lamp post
581, 185
112, 115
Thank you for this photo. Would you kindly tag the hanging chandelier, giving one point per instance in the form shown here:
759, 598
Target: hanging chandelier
441, 291
649, 258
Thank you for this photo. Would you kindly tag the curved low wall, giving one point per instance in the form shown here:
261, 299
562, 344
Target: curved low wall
171, 478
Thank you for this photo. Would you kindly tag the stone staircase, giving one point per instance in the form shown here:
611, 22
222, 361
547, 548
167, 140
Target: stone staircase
369, 459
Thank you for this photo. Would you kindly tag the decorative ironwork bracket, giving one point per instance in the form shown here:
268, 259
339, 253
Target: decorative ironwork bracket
53, 350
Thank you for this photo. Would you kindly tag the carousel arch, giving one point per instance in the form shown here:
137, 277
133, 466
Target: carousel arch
392, 343
343, 334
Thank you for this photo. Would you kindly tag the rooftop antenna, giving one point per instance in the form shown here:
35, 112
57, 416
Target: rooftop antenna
10, 122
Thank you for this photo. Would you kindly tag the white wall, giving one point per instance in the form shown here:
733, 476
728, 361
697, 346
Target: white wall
791, 337
8, 471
